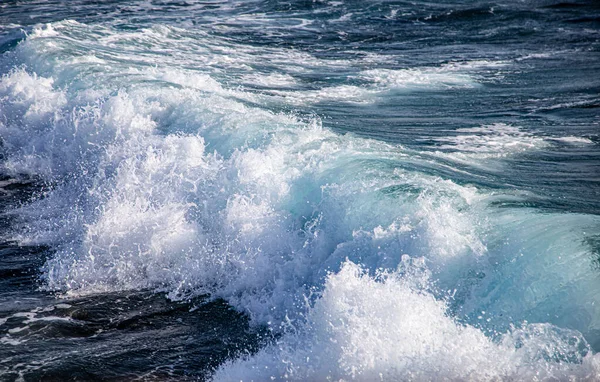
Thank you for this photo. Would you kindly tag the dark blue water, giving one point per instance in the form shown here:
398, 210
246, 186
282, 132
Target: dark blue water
305, 190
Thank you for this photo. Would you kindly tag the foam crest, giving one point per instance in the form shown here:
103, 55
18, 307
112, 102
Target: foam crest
31, 102
259, 222
160, 212
142, 237
50, 137
387, 327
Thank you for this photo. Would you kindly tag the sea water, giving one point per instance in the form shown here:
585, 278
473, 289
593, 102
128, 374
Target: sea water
303, 190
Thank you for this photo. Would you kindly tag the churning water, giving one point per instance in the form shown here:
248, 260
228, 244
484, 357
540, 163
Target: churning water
303, 190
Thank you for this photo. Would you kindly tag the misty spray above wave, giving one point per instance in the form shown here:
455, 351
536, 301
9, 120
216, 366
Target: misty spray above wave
365, 262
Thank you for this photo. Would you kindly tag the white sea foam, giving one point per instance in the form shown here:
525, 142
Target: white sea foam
471, 145
378, 83
447, 76
573, 140
425, 78
271, 80
46, 30
31, 102
8, 340
342, 93
388, 327
491, 140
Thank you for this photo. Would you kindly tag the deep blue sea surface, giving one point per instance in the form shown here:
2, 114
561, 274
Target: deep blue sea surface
300, 190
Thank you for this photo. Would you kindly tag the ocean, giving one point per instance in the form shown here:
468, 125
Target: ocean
300, 190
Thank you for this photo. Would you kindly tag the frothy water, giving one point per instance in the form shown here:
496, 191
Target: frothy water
389, 328
194, 162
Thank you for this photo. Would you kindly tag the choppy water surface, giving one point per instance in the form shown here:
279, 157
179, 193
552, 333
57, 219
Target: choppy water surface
325, 190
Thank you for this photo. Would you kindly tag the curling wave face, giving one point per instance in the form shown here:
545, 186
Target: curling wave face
363, 256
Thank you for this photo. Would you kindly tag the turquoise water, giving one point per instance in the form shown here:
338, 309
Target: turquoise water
300, 191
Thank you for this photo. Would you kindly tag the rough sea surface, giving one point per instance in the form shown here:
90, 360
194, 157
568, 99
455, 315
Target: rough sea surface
300, 190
